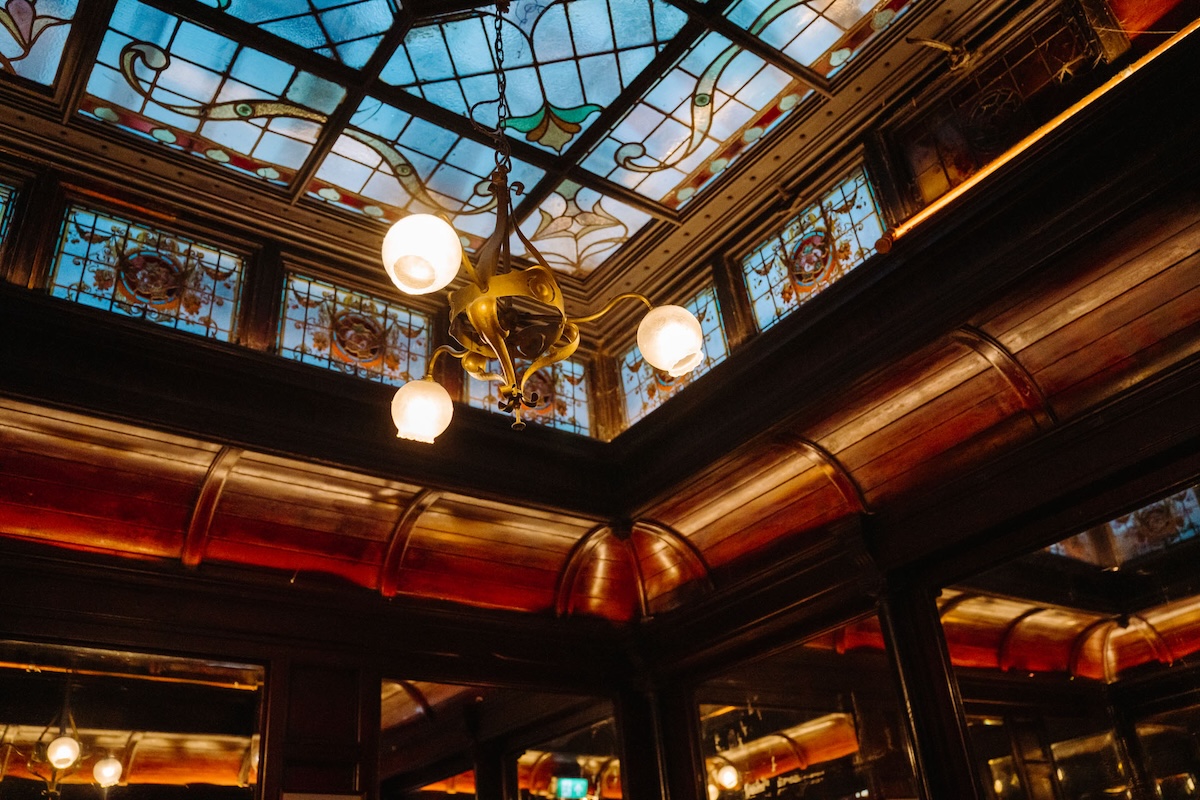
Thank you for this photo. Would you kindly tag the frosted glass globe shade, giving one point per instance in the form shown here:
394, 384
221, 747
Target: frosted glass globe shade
421, 254
670, 339
62, 752
728, 777
421, 410
107, 772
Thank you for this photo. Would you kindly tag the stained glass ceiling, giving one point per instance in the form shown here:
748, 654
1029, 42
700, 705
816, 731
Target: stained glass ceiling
622, 111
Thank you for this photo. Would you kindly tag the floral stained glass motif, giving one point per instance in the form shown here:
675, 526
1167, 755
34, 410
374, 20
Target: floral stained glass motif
352, 332
346, 30
33, 34
388, 163
1153, 528
719, 100
576, 229
164, 78
139, 271
647, 388
562, 392
564, 62
7, 195
815, 248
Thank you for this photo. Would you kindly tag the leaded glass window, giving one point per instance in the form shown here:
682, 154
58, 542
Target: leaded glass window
647, 388
32, 37
562, 391
171, 81
7, 196
352, 332
134, 269
815, 248
346, 30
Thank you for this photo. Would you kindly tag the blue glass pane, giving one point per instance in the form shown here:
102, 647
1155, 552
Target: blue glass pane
388, 163
352, 332
576, 229
32, 37
7, 196
133, 269
815, 248
646, 388
166, 79
562, 396
564, 62
345, 30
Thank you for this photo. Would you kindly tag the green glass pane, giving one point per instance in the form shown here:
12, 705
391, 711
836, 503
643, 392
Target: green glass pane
348, 31
562, 396
136, 270
171, 81
813, 249
33, 37
647, 388
352, 332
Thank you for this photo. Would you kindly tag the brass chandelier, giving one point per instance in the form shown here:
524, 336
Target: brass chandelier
506, 313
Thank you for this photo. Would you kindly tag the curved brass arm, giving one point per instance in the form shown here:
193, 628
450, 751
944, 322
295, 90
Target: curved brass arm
446, 350
611, 305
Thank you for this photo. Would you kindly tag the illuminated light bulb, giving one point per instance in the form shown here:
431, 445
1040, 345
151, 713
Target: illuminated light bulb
62, 752
421, 410
671, 340
107, 772
421, 254
713, 792
728, 777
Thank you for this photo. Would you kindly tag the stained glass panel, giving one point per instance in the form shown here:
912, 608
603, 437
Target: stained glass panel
346, 30
815, 248
647, 388
352, 332
576, 229
32, 37
562, 392
169, 80
389, 163
564, 62
140, 271
7, 196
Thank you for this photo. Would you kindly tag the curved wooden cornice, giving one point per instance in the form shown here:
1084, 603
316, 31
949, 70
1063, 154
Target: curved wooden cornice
1013, 371
833, 469
682, 545
577, 558
418, 697
195, 541
389, 570
1010, 633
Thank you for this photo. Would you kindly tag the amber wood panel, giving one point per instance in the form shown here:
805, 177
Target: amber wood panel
600, 579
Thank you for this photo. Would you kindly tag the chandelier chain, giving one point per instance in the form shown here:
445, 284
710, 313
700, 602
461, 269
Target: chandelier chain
503, 152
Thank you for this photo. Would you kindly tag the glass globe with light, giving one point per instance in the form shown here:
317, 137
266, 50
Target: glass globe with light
107, 772
421, 410
62, 752
728, 777
671, 340
421, 254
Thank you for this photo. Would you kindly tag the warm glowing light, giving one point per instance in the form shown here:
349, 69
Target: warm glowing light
421, 410
713, 792
728, 777
62, 752
671, 340
421, 254
107, 772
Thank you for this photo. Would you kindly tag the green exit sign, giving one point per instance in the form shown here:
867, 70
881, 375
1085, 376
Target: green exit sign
572, 788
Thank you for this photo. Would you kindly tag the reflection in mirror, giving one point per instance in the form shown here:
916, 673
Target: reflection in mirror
1077, 664
819, 720
83, 723
442, 741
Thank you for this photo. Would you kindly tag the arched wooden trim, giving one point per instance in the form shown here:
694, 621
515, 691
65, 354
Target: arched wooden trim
418, 697
1162, 650
389, 570
1081, 642
1013, 372
1110, 668
1010, 631
948, 606
796, 747
195, 541
834, 470
624, 534
683, 544
576, 558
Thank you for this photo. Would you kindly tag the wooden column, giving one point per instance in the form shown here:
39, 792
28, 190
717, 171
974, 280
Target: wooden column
659, 744
324, 749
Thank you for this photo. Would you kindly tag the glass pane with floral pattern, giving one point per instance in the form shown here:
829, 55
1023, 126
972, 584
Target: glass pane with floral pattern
576, 229
564, 62
33, 34
388, 163
346, 30
7, 197
562, 392
164, 78
352, 332
140, 271
815, 248
647, 388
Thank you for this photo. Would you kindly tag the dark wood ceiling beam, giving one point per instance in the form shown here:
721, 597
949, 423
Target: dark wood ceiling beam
393, 562
196, 539
718, 23
1014, 373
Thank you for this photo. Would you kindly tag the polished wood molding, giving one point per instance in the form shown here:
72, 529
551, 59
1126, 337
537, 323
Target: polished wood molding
393, 562
833, 469
196, 539
1014, 372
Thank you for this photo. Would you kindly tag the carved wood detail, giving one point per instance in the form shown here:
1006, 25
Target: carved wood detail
196, 539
